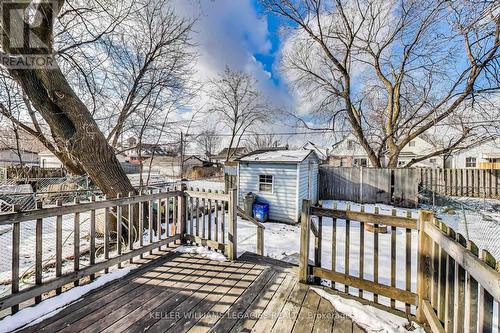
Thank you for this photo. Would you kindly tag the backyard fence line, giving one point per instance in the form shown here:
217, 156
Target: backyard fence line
401, 186
369, 185
462, 182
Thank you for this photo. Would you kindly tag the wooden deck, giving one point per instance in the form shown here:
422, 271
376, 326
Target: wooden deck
187, 293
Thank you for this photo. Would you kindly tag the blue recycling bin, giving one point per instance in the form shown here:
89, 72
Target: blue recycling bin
261, 211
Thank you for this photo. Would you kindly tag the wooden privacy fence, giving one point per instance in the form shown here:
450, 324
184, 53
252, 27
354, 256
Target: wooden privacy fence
462, 182
369, 185
120, 229
440, 277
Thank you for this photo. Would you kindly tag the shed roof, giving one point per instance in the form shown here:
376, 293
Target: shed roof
278, 156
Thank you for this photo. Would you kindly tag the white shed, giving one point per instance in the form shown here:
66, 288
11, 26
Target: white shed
282, 178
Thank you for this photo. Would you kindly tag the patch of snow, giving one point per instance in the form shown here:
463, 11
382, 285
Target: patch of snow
368, 317
205, 184
49, 307
202, 251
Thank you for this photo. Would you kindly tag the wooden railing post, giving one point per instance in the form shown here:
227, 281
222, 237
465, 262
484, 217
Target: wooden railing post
260, 241
16, 243
305, 229
424, 276
233, 218
181, 213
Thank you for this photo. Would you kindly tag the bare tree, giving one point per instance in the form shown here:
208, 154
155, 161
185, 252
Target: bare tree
111, 59
154, 58
208, 141
263, 141
50, 93
234, 98
392, 69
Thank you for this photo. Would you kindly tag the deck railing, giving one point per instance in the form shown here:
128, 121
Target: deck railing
208, 225
117, 230
440, 278
206, 220
57, 246
457, 288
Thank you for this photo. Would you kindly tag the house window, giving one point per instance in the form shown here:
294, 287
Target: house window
362, 162
350, 144
412, 144
470, 162
432, 160
265, 183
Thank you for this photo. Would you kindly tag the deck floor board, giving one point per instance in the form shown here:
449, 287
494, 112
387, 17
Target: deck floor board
188, 293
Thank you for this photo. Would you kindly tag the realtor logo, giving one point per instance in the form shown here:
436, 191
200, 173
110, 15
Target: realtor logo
26, 24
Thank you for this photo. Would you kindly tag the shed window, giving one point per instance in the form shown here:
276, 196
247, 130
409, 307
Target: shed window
265, 183
470, 162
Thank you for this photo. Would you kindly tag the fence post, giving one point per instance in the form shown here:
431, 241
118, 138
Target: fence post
424, 276
181, 213
233, 218
305, 229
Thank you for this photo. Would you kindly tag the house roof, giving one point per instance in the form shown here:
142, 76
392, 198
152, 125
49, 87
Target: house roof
320, 151
15, 150
278, 156
235, 152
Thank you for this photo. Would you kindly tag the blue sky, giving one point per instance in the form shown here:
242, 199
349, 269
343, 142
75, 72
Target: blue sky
269, 59
238, 34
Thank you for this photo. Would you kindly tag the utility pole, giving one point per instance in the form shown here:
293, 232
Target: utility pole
182, 155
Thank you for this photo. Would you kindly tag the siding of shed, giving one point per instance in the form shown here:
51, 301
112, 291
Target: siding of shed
282, 202
308, 178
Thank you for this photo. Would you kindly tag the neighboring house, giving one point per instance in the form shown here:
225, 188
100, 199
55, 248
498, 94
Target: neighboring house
483, 155
322, 152
49, 160
10, 156
416, 148
147, 150
282, 178
349, 153
220, 158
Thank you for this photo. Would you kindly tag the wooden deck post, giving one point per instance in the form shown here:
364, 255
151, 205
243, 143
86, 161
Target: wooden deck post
424, 276
305, 229
260, 241
181, 213
233, 218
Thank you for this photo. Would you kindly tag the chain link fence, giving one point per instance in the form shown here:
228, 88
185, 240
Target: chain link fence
477, 219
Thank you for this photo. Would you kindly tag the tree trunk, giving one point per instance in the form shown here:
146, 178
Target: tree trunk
74, 127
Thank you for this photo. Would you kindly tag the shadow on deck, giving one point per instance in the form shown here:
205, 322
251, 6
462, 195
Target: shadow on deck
189, 293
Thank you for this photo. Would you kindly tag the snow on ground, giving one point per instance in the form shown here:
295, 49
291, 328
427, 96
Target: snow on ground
49, 307
201, 251
205, 184
369, 317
